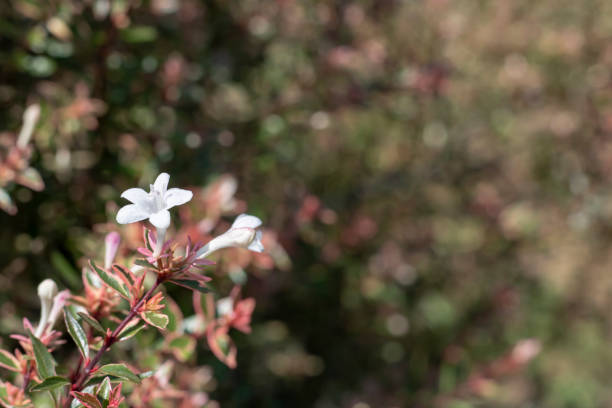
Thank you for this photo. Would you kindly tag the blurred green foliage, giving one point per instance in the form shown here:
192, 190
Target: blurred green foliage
439, 172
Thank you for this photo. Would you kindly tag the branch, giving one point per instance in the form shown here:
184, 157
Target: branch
109, 340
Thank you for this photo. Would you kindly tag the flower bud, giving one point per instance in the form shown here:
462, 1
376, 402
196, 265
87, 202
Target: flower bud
46, 292
112, 241
30, 117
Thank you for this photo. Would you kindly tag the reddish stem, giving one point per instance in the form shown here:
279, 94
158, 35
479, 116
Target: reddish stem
109, 340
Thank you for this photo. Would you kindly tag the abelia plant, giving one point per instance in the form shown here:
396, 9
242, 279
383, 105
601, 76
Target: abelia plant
122, 298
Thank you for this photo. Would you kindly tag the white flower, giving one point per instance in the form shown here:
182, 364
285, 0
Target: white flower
243, 233
153, 205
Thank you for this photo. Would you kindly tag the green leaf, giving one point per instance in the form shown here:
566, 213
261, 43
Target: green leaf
145, 264
88, 400
66, 270
7, 360
45, 364
87, 390
130, 332
50, 383
92, 322
104, 389
119, 370
182, 347
76, 332
139, 34
111, 281
158, 320
190, 284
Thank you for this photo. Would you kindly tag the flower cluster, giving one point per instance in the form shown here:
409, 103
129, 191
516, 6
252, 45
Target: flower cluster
124, 296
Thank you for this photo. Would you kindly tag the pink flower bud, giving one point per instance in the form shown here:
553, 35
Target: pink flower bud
112, 242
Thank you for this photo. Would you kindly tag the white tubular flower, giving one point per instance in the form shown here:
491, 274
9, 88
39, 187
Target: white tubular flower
153, 205
46, 292
243, 234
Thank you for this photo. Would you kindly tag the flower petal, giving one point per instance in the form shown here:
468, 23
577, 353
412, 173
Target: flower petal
160, 219
131, 213
256, 245
137, 196
246, 221
177, 196
161, 182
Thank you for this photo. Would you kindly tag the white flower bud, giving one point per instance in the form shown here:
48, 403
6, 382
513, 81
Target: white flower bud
112, 241
46, 292
30, 117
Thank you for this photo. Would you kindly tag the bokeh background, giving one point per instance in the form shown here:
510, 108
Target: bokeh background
439, 173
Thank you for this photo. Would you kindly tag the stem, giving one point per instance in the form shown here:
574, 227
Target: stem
27, 377
109, 340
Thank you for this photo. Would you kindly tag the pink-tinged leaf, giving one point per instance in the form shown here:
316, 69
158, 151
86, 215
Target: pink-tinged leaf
222, 345
158, 320
144, 251
31, 179
196, 276
115, 397
27, 325
8, 361
243, 309
182, 347
111, 281
203, 262
129, 276
104, 389
6, 203
88, 400
19, 337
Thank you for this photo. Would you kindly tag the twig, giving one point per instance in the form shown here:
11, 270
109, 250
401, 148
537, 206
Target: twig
109, 340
